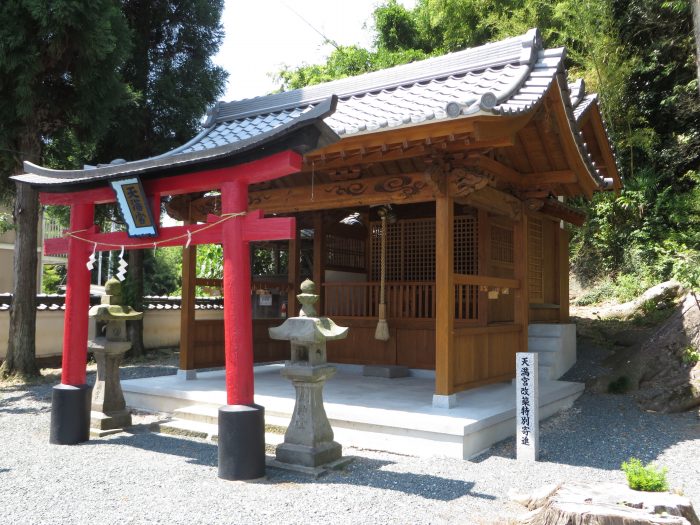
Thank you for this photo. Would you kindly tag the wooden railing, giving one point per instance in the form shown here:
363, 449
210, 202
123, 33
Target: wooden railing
468, 306
410, 300
405, 300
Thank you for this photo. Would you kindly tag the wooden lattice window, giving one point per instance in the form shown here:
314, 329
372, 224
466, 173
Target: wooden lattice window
344, 253
502, 245
411, 249
535, 276
466, 245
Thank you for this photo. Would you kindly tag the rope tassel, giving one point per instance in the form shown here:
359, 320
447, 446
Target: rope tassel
382, 331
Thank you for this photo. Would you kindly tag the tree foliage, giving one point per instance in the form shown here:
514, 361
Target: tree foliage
59, 63
170, 76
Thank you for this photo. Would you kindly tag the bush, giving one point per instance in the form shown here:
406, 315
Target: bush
53, 278
645, 478
690, 356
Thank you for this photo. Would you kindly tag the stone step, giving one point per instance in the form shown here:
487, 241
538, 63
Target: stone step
544, 344
274, 435
183, 427
200, 413
546, 330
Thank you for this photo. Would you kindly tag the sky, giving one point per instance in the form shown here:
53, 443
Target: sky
263, 35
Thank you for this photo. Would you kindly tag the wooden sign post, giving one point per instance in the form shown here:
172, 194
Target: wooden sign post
527, 410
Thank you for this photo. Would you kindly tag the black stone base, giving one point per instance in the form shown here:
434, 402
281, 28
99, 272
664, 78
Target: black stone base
70, 414
241, 442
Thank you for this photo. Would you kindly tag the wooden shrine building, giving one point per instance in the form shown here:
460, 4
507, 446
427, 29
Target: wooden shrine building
476, 153
472, 156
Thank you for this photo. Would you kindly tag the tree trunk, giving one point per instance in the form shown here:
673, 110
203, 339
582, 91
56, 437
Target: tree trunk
696, 30
21, 349
135, 328
20, 359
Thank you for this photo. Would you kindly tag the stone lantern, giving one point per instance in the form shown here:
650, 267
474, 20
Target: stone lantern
109, 414
308, 441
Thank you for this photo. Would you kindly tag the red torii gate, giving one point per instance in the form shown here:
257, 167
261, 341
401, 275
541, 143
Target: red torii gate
241, 423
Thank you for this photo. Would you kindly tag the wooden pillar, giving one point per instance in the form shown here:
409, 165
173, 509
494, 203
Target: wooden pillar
293, 273
445, 295
563, 275
238, 318
522, 296
484, 252
319, 260
189, 276
75, 325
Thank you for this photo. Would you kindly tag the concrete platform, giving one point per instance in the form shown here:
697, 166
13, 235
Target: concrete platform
395, 415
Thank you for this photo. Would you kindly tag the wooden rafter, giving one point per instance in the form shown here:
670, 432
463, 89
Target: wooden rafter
511, 177
562, 211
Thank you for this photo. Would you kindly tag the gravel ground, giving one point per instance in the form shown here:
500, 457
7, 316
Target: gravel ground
142, 477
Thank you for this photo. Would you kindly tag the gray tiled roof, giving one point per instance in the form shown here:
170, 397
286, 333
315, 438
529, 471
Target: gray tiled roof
501, 78
512, 74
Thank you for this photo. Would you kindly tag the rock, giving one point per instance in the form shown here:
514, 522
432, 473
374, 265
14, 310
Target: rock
667, 383
536, 499
608, 504
662, 295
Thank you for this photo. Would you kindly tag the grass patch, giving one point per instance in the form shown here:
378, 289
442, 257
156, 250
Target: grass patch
645, 478
621, 289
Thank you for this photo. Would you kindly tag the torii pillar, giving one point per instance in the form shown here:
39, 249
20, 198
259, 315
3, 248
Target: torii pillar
241, 421
70, 400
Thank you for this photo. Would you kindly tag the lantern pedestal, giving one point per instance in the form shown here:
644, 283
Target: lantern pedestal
308, 441
109, 414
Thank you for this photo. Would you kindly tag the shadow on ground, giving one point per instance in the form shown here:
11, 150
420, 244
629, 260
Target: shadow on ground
374, 473
602, 431
361, 472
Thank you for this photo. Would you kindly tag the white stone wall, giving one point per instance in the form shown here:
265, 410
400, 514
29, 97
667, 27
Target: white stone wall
161, 329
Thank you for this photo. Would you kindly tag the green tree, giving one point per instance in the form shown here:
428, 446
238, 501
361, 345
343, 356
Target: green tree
59, 63
172, 81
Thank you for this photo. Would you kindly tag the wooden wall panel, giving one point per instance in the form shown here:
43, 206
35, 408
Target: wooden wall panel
471, 359
360, 347
550, 261
415, 348
265, 349
485, 355
544, 315
208, 344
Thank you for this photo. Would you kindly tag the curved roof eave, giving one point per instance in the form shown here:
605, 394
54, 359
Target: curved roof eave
51, 180
573, 139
